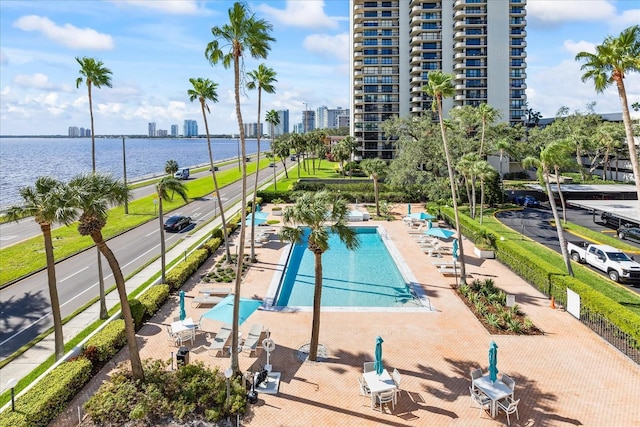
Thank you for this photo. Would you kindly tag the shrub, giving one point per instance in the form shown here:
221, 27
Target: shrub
153, 298
176, 277
212, 245
108, 340
137, 312
49, 397
217, 234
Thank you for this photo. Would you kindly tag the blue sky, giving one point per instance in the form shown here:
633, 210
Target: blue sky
154, 47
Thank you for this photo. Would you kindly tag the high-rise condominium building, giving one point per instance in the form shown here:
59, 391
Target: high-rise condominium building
283, 127
308, 121
251, 130
174, 130
190, 128
395, 44
152, 129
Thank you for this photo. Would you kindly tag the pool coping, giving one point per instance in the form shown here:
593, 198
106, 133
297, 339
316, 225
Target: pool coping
414, 287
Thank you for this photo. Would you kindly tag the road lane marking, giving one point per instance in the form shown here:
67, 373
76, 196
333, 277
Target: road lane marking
77, 272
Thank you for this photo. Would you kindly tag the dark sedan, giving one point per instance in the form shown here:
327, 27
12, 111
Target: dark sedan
177, 223
629, 233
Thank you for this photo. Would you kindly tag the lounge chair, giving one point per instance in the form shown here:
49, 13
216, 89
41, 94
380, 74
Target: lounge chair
253, 338
215, 291
446, 263
220, 340
205, 300
449, 271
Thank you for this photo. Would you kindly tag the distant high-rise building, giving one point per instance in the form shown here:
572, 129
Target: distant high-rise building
332, 117
162, 133
321, 117
343, 120
251, 130
174, 130
73, 131
283, 127
308, 120
152, 129
190, 128
394, 45
81, 132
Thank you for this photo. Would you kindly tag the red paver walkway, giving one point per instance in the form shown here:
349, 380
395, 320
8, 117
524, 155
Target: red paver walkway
567, 377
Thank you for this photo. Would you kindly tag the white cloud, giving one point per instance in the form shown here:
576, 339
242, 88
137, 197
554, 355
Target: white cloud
555, 11
181, 7
66, 35
306, 14
627, 18
327, 45
4, 60
34, 81
582, 46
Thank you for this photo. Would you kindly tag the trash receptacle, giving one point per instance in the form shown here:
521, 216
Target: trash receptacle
182, 356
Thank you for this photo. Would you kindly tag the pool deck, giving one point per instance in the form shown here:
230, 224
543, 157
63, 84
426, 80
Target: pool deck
566, 377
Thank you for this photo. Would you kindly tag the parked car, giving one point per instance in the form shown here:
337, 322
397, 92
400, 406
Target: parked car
629, 233
176, 223
215, 168
615, 263
528, 201
613, 221
272, 165
293, 158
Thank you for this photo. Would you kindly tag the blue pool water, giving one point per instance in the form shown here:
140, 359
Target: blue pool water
366, 277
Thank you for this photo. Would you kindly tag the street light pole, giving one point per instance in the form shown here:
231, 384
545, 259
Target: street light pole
124, 167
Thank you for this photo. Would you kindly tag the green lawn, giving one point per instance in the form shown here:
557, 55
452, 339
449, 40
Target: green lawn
324, 170
28, 256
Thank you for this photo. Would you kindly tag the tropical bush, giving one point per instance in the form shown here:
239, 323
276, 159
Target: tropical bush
153, 298
192, 392
108, 340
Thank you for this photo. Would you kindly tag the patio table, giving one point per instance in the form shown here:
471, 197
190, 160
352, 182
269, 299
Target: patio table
378, 383
182, 325
495, 390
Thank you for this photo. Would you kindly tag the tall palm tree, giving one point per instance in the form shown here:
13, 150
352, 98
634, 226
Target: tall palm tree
439, 86
375, 168
47, 202
543, 165
163, 187
484, 172
203, 90
171, 167
93, 195
614, 58
94, 73
323, 214
244, 33
261, 79
487, 114
273, 118
298, 143
281, 148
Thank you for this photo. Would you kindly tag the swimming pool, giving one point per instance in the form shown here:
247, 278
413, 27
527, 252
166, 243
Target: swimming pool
367, 277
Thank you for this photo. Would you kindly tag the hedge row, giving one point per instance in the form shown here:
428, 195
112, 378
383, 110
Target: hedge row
48, 398
549, 279
108, 341
153, 299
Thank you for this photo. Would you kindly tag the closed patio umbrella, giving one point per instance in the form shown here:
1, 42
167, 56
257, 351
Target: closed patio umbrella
377, 363
454, 249
493, 361
183, 313
408, 208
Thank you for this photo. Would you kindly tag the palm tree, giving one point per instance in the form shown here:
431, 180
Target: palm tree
543, 166
322, 213
47, 202
163, 187
94, 73
375, 168
281, 148
262, 79
244, 32
614, 58
203, 90
171, 167
484, 172
439, 86
487, 114
273, 118
93, 195
342, 151
298, 143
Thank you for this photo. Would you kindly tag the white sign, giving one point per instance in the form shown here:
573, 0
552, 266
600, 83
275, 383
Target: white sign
573, 303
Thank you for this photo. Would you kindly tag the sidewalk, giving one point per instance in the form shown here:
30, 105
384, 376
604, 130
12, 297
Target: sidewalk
24, 364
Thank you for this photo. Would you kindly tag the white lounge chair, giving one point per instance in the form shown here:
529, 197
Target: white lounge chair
205, 300
253, 338
215, 291
220, 340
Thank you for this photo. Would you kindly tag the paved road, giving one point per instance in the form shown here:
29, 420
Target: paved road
535, 224
25, 307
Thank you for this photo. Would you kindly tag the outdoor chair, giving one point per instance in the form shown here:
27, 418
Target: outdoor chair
368, 367
187, 335
253, 338
220, 340
509, 406
480, 399
509, 382
397, 378
171, 337
364, 390
386, 397
475, 375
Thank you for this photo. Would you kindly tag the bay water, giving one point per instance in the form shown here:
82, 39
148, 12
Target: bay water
23, 160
